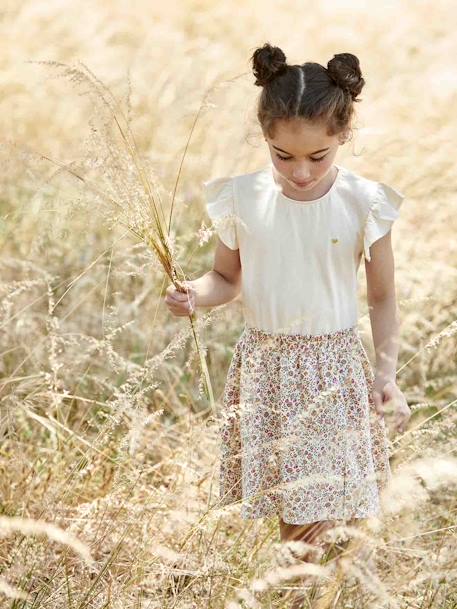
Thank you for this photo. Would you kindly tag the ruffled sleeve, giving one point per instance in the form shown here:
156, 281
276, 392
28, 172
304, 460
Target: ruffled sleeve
220, 206
381, 215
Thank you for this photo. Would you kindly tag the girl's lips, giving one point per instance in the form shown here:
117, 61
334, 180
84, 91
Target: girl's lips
302, 183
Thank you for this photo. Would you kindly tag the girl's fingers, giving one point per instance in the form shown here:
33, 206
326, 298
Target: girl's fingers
180, 303
179, 298
180, 313
400, 423
181, 308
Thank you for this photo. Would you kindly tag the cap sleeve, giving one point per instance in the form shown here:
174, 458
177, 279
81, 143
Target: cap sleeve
220, 206
381, 215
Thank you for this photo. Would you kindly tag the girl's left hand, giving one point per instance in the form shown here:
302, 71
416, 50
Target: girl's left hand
387, 394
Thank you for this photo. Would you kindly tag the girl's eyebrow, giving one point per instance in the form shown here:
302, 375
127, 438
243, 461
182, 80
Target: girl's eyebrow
315, 152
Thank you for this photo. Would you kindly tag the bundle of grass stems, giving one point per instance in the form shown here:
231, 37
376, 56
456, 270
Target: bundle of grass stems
143, 215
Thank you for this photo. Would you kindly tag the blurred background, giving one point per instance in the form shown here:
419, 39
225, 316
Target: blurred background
105, 431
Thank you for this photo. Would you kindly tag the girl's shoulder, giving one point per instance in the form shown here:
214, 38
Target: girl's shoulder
369, 196
239, 187
377, 205
254, 182
360, 186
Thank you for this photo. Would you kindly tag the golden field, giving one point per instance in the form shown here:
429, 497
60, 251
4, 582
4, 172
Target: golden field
109, 448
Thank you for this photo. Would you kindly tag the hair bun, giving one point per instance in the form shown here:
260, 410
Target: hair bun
344, 70
267, 62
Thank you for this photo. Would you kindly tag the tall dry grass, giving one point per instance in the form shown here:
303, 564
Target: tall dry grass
109, 455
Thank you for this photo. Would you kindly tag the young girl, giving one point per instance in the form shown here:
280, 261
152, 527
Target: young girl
303, 435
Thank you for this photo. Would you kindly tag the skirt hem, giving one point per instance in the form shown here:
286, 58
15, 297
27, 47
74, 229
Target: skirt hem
309, 521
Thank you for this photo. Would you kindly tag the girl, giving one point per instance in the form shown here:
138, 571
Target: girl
302, 434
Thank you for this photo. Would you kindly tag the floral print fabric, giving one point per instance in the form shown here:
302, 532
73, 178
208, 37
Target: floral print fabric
299, 435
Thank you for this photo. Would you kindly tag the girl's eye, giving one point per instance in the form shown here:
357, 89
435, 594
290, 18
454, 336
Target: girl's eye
287, 158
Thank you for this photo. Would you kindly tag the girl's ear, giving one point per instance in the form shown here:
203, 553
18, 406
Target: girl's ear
344, 137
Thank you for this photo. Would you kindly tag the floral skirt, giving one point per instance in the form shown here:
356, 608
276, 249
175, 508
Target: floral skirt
299, 434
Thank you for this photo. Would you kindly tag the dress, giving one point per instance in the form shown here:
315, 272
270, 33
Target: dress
299, 433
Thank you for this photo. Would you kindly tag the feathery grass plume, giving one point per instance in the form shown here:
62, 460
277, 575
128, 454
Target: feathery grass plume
447, 332
411, 482
11, 591
29, 526
132, 196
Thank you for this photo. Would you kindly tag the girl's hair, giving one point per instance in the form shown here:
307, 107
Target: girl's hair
309, 91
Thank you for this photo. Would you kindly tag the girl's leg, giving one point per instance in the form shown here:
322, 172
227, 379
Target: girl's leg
308, 533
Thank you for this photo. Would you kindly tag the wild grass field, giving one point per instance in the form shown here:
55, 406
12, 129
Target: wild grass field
109, 447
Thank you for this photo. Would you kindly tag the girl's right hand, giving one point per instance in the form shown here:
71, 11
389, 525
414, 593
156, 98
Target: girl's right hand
180, 303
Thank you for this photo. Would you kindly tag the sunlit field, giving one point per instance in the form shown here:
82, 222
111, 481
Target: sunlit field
109, 440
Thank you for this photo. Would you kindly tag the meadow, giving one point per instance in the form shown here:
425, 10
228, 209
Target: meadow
108, 443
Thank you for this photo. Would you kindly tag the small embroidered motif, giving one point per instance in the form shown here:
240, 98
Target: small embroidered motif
335, 240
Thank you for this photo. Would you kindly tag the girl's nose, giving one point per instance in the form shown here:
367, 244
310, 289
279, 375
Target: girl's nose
301, 172
301, 175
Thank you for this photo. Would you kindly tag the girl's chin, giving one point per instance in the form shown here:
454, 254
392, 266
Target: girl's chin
301, 186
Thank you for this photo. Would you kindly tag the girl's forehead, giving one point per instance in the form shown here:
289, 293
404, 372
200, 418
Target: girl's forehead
301, 136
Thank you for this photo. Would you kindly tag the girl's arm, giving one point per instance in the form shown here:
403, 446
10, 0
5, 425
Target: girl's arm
385, 325
220, 285
382, 305
223, 283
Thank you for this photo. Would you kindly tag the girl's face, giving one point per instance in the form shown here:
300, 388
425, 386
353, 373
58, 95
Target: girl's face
302, 154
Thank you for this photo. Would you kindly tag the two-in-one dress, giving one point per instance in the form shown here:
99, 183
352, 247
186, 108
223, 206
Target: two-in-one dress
299, 434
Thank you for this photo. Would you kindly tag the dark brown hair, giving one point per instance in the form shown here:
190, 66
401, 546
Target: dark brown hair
309, 91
